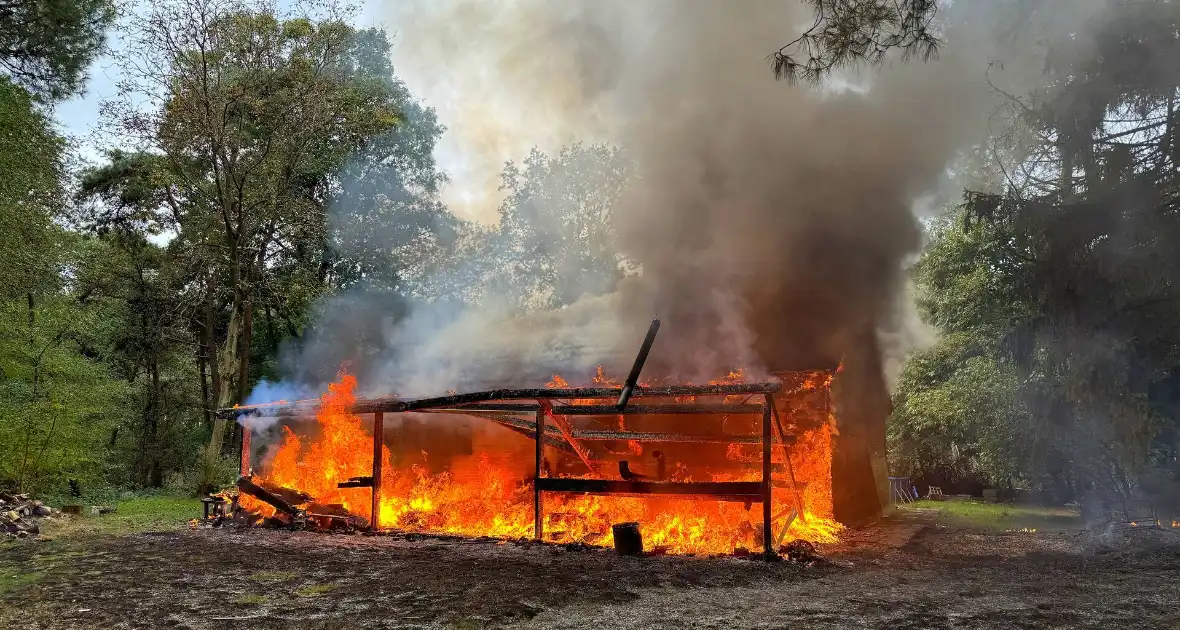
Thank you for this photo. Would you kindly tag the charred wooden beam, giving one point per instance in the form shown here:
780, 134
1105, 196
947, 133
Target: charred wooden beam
553, 436
273, 498
375, 480
605, 410
538, 514
739, 491
567, 431
767, 479
395, 405
637, 367
356, 482
653, 410
638, 436
528, 429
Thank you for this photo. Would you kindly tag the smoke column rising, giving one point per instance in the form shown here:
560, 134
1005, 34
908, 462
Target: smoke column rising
771, 221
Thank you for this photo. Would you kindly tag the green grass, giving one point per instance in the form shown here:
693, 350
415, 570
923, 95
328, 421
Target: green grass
314, 590
159, 512
999, 516
13, 578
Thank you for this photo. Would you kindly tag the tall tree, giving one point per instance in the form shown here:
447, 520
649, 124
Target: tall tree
1068, 280
249, 118
46, 45
31, 158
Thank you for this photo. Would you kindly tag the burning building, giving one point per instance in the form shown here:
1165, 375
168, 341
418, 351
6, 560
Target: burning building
732, 464
768, 226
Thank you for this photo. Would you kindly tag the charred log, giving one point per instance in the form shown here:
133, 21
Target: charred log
284, 500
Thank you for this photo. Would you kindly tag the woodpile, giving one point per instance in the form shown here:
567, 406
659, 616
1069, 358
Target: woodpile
292, 510
19, 515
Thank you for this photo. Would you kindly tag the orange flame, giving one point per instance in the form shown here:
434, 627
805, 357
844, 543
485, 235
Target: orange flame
489, 492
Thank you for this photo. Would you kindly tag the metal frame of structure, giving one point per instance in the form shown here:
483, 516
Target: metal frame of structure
544, 419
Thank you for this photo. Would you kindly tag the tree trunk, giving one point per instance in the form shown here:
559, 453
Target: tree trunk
155, 466
272, 335
227, 365
202, 365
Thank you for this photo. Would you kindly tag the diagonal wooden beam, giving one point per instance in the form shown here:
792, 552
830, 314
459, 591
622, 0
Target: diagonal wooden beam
567, 430
782, 442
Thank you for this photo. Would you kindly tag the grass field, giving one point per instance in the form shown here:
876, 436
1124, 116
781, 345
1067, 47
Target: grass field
999, 516
135, 514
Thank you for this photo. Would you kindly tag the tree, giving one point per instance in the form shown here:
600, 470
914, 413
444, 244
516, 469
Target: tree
46, 45
59, 397
846, 32
30, 191
555, 241
250, 118
1067, 280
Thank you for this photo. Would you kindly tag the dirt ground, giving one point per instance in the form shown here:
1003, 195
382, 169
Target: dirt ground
903, 573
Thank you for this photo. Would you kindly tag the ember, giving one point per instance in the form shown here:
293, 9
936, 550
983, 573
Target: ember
490, 492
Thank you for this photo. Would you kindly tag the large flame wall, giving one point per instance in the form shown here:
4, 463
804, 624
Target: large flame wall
477, 481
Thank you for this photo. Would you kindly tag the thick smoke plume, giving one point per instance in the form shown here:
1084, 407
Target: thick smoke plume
770, 221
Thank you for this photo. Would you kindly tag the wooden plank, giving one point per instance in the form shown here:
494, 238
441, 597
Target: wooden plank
538, 523
743, 491
378, 443
567, 430
640, 410
398, 405
768, 546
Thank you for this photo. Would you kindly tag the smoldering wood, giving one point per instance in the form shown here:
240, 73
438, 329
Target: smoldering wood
286, 504
331, 515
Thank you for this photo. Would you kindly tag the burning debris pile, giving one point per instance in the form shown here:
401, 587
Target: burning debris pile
288, 509
19, 515
595, 465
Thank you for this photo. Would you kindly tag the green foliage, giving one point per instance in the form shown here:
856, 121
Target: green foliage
1061, 351
30, 158
59, 401
46, 45
556, 225
286, 160
960, 416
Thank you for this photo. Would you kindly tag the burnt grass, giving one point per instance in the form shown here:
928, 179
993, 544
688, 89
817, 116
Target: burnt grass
929, 577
